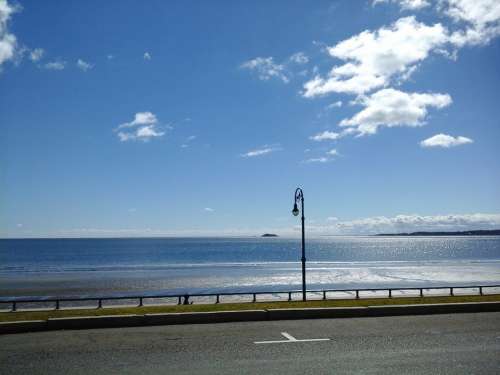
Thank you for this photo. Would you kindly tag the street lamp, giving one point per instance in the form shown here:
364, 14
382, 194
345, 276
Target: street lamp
299, 195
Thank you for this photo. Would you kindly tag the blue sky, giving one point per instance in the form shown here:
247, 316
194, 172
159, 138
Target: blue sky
132, 118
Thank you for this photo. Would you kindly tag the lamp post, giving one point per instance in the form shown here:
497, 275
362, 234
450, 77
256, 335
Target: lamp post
299, 195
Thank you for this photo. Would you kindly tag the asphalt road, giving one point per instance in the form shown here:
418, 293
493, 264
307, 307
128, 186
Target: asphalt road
433, 344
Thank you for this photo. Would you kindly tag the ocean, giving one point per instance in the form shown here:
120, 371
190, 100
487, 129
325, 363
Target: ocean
96, 267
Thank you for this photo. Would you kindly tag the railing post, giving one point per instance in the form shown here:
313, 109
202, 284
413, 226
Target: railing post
289, 296
357, 294
451, 291
421, 292
324, 295
480, 290
14, 306
140, 302
254, 298
217, 299
99, 304
179, 301
390, 293
57, 305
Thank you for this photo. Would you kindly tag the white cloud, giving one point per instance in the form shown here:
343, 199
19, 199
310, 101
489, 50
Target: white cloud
84, 66
188, 141
317, 160
36, 54
299, 58
413, 223
333, 225
8, 41
147, 132
140, 118
143, 127
144, 133
110, 57
208, 209
445, 141
147, 56
55, 65
480, 17
330, 156
414, 4
266, 68
479, 20
260, 151
372, 58
390, 107
336, 104
406, 4
325, 136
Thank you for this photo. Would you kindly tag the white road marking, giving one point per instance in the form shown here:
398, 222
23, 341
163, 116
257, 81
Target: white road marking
290, 338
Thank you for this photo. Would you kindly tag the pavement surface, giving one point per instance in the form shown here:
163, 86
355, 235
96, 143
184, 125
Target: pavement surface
432, 344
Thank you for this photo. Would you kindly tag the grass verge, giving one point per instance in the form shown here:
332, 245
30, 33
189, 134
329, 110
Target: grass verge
44, 315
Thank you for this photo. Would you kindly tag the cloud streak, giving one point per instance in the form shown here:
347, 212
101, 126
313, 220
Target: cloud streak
55, 65
406, 4
325, 136
445, 141
260, 151
321, 159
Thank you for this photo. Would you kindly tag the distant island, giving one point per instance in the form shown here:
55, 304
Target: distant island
269, 235
492, 232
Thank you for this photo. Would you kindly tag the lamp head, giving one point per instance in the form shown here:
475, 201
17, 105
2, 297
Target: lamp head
295, 210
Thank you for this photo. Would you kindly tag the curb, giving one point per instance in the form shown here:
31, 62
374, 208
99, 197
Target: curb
318, 313
23, 326
103, 321
206, 317
428, 309
115, 321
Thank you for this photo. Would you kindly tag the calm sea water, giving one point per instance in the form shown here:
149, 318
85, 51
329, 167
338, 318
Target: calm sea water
117, 266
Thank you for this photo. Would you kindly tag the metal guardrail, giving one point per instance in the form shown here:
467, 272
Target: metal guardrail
184, 299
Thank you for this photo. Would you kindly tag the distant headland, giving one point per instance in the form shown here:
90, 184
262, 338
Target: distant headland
269, 235
492, 232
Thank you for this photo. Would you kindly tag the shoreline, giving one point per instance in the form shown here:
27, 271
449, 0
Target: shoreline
251, 277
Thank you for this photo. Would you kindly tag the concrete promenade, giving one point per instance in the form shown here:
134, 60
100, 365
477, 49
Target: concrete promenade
426, 344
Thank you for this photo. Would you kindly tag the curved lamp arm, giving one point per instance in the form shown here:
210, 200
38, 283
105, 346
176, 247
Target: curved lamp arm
299, 196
